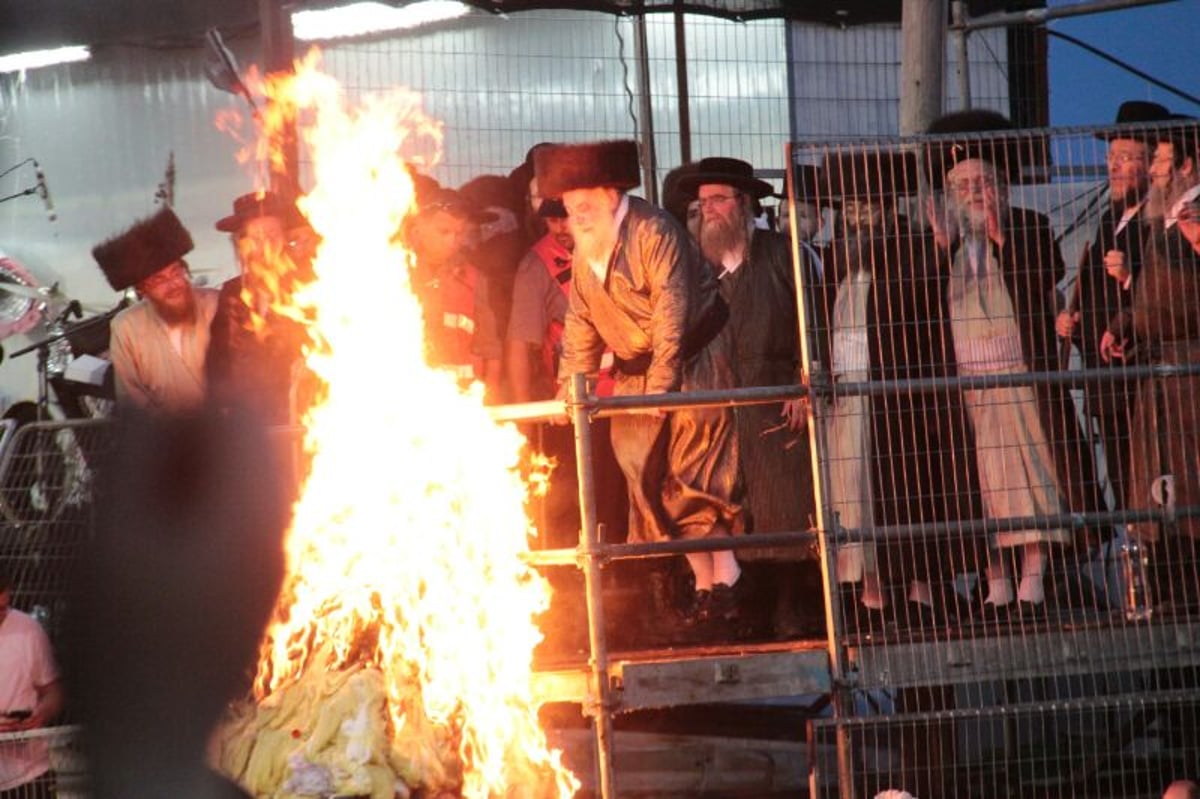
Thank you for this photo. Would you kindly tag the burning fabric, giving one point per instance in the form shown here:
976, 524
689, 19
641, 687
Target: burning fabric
400, 653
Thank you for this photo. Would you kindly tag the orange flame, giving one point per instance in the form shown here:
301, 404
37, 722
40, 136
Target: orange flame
405, 548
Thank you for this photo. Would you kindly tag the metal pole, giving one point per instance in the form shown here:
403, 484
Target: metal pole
649, 156
923, 48
816, 439
1039, 15
599, 703
681, 80
962, 67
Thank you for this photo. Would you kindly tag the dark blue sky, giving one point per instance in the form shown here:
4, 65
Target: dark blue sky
1163, 40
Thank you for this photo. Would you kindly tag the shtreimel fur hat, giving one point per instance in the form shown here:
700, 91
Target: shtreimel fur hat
608, 164
149, 246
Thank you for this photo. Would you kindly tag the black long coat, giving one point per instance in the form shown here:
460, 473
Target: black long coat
776, 463
921, 467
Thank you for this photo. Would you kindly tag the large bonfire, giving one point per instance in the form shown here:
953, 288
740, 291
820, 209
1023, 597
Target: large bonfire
400, 655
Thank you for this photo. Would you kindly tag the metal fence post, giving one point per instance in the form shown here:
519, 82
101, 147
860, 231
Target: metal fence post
591, 552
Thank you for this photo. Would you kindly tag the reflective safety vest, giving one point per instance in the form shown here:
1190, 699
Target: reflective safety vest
448, 301
557, 260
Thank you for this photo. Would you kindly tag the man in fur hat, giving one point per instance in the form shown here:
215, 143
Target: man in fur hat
754, 268
159, 345
1003, 265
640, 288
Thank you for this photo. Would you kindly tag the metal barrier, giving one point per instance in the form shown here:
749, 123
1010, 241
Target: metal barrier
42, 764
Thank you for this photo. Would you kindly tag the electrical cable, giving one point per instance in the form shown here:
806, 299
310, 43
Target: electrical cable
1124, 65
625, 76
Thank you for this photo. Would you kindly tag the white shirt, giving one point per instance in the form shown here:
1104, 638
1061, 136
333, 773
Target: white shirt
1173, 215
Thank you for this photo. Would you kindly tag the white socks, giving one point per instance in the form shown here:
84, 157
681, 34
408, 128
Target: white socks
714, 567
702, 569
725, 567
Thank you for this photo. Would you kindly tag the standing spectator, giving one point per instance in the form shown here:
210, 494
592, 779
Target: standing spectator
641, 289
1165, 323
1003, 265
1107, 274
158, 345
894, 458
250, 360
460, 327
757, 281
31, 696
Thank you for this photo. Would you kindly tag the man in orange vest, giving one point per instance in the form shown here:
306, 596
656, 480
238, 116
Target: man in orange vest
460, 327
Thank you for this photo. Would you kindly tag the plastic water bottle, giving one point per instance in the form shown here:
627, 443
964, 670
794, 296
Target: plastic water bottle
1135, 563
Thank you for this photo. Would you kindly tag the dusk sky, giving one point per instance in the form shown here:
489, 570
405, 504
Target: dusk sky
1162, 40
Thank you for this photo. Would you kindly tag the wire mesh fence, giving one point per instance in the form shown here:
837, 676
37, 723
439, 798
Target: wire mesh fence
47, 482
1003, 382
1052, 744
42, 764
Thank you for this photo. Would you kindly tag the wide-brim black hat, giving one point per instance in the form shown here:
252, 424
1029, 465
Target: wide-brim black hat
725, 172
1181, 130
982, 135
1136, 112
147, 247
868, 175
603, 164
675, 200
487, 191
258, 204
806, 182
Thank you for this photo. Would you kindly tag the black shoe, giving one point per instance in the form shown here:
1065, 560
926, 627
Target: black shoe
696, 611
723, 604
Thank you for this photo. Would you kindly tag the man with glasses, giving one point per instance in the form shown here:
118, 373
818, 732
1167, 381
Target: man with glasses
1003, 265
158, 346
754, 268
1107, 272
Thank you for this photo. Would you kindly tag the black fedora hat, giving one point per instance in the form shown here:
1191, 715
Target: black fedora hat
874, 175
727, 172
258, 204
984, 135
1134, 112
807, 183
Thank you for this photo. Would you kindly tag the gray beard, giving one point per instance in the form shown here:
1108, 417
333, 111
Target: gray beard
1159, 201
595, 249
719, 238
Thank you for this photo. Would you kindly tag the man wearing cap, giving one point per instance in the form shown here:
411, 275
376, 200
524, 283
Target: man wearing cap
640, 288
754, 269
158, 346
1003, 265
1106, 277
1165, 324
252, 349
461, 330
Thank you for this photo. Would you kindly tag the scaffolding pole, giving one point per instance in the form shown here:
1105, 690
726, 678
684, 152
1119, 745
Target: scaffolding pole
599, 703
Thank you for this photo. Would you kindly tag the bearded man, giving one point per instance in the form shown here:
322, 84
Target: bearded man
1107, 273
159, 345
640, 288
1165, 323
758, 283
1003, 266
